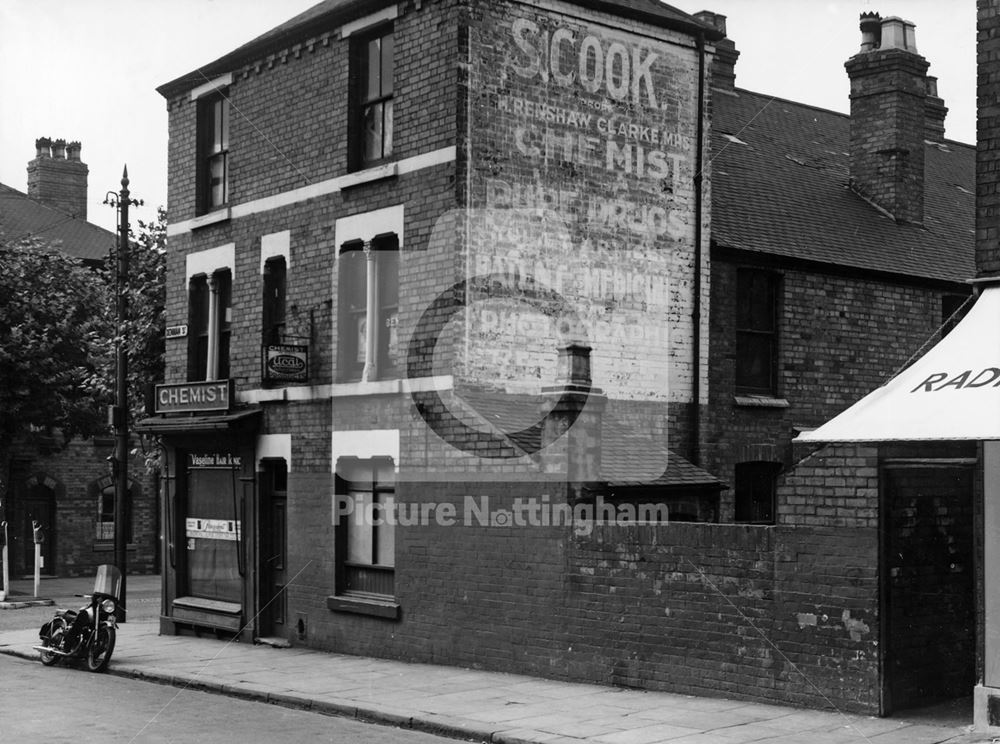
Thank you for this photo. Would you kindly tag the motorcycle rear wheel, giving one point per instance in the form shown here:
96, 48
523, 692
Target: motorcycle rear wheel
56, 632
100, 648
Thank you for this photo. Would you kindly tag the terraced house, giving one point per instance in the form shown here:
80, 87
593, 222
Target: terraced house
490, 328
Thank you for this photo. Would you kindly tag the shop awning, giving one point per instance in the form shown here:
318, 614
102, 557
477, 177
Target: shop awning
952, 392
184, 424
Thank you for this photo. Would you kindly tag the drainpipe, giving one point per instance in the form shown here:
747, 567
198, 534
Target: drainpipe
695, 448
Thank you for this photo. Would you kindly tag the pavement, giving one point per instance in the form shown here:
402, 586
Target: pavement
477, 705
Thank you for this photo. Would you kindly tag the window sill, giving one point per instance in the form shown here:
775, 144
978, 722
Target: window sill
368, 175
392, 387
385, 607
107, 547
211, 218
760, 401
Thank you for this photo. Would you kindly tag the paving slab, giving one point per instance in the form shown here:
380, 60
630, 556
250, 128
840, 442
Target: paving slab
482, 706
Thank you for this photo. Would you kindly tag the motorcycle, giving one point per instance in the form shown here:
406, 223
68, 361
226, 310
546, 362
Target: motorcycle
88, 633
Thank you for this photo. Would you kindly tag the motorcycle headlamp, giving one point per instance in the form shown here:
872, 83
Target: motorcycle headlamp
108, 605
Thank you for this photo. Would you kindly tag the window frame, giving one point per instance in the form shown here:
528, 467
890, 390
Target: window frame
213, 131
747, 330
201, 296
275, 301
365, 579
108, 492
353, 364
362, 100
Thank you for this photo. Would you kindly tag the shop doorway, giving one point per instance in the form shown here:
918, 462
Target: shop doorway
273, 548
927, 580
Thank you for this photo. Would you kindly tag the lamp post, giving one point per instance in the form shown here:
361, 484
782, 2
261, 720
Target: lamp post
121, 202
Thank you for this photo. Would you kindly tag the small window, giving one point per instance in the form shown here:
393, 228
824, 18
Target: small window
755, 491
368, 347
366, 539
373, 80
213, 153
274, 301
757, 332
106, 515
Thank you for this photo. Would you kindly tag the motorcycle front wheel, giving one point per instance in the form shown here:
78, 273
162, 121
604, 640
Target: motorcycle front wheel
56, 631
100, 648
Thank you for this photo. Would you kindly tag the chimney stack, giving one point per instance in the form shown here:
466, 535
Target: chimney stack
57, 177
726, 55
934, 112
889, 101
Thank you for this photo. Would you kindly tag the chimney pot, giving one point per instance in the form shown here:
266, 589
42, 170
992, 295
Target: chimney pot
43, 147
59, 149
73, 151
871, 32
898, 34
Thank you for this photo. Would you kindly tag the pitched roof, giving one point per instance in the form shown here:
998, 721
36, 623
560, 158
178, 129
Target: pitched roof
329, 13
23, 217
627, 455
779, 178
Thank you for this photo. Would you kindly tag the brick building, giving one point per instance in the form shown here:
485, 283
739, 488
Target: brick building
67, 488
473, 264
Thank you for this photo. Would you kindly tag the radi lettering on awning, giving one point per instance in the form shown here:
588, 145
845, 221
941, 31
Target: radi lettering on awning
951, 392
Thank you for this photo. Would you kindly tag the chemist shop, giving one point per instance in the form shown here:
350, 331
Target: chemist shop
213, 526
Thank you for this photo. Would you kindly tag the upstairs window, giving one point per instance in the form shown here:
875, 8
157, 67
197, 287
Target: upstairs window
210, 315
274, 301
213, 153
373, 69
368, 288
756, 332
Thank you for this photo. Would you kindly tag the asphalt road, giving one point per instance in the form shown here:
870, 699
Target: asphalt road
69, 704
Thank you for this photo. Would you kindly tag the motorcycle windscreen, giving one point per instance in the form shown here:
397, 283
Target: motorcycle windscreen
108, 581
212, 532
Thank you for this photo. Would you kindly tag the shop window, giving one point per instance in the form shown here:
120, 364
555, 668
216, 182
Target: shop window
366, 540
372, 120
756, 484
213, 153
209, 326
368, 283
757, 332
213, 540
106, 515
274, 301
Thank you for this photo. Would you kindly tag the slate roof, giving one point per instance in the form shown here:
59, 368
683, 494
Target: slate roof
626, 453
22, 217
780, 186
329, 13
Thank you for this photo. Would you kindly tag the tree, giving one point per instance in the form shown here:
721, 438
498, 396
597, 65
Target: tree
54, 339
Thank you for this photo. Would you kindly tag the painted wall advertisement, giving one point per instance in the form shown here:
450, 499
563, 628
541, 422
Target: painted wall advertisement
584, 149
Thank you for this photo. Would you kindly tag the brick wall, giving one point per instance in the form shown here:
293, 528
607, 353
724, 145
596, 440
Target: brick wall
782, 614
868, 327
988, 139
76, 475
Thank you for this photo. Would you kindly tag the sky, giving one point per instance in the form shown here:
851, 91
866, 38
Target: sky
87, 70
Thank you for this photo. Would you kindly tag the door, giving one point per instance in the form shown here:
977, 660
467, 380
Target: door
273, 548
928, 585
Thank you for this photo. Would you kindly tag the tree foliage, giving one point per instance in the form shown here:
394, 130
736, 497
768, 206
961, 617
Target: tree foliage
58, 333
54, 340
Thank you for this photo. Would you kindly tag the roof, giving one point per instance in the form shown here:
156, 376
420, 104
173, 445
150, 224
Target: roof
780, 187
23, 217
327, 14
626, 453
